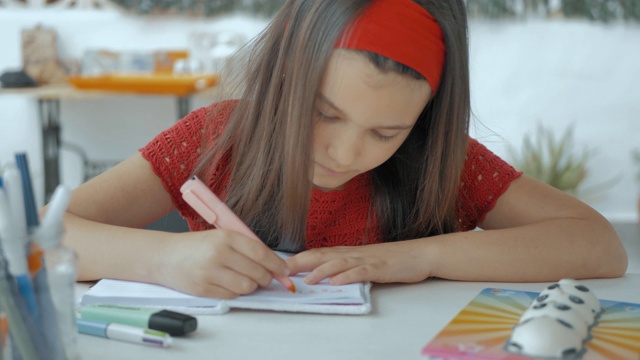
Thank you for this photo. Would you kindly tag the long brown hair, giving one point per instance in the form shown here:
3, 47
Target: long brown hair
416, 190
268, 137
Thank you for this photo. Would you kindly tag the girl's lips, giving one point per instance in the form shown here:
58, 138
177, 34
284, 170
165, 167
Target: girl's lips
329, 171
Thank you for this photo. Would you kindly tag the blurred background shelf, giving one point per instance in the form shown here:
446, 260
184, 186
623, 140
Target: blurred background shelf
49, 97
151, 84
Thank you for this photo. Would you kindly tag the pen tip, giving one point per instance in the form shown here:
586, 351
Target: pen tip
292, 288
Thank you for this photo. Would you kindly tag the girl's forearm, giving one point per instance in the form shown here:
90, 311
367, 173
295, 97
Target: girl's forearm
107, 251
544, 251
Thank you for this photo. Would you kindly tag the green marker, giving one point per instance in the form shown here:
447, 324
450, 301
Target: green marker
171, 322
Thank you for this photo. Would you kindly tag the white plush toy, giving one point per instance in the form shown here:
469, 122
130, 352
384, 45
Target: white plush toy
560, 311
545, 337
572, 293
557, 324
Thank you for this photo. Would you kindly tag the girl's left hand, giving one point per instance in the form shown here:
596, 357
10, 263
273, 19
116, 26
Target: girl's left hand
403, 261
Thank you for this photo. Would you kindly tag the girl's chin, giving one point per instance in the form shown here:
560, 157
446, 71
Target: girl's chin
328, 187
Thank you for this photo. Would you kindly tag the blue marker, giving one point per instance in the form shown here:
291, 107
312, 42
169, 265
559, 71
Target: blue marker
26, 339
15, 251
47, 317
31, 213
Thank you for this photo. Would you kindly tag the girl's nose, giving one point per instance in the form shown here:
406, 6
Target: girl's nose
343, 149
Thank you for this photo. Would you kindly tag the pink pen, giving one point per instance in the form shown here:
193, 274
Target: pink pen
218, 214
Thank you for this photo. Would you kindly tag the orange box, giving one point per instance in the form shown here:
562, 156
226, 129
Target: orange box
164, 60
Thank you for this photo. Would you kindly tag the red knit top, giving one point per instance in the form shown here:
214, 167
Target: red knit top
338, 217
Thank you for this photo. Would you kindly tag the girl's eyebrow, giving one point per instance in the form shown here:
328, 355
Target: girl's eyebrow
326, 100
330, 103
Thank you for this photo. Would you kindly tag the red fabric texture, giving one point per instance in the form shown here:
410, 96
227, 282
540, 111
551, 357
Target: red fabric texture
403, 31
336, 218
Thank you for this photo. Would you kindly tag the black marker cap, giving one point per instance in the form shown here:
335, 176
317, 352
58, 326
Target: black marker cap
173, 323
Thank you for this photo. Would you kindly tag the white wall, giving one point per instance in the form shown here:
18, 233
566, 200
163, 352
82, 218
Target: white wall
557, 73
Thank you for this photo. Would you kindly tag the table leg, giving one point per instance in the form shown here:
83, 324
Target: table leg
184, 106
50, 120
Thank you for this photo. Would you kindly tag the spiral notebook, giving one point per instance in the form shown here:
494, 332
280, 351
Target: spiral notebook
321, 298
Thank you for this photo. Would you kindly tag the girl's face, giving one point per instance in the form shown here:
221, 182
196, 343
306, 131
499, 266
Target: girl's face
362, 117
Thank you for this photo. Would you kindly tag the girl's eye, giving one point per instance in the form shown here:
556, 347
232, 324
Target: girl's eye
384, 137
325, 117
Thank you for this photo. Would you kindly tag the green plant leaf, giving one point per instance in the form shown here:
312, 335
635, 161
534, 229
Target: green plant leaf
556, 161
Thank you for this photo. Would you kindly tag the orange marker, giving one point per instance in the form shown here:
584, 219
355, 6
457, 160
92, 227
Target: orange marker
34, 259
4, 330
218, 214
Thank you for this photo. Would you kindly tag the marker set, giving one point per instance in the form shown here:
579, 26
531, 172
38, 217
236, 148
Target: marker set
37, 317
146, 326
37, 278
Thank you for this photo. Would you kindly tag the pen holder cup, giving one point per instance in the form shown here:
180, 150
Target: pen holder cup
42, 325
61, 267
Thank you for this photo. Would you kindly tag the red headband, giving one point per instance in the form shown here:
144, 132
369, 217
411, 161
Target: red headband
400, 30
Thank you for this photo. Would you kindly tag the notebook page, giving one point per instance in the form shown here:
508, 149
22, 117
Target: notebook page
119, 292
321, 293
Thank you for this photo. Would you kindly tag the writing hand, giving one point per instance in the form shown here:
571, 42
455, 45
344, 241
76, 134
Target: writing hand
383, 263
218, 263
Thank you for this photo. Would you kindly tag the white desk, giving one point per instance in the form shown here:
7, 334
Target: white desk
404, 319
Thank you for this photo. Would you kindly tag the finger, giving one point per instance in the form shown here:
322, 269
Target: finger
366, 272
248, 267
208, 285
331, 269
210, 291
308, 260
261, 254
299, 263
232, 282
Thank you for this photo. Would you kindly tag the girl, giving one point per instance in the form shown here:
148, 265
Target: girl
347, 143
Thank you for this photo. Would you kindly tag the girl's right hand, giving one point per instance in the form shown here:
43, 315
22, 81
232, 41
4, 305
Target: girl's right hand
217, 263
